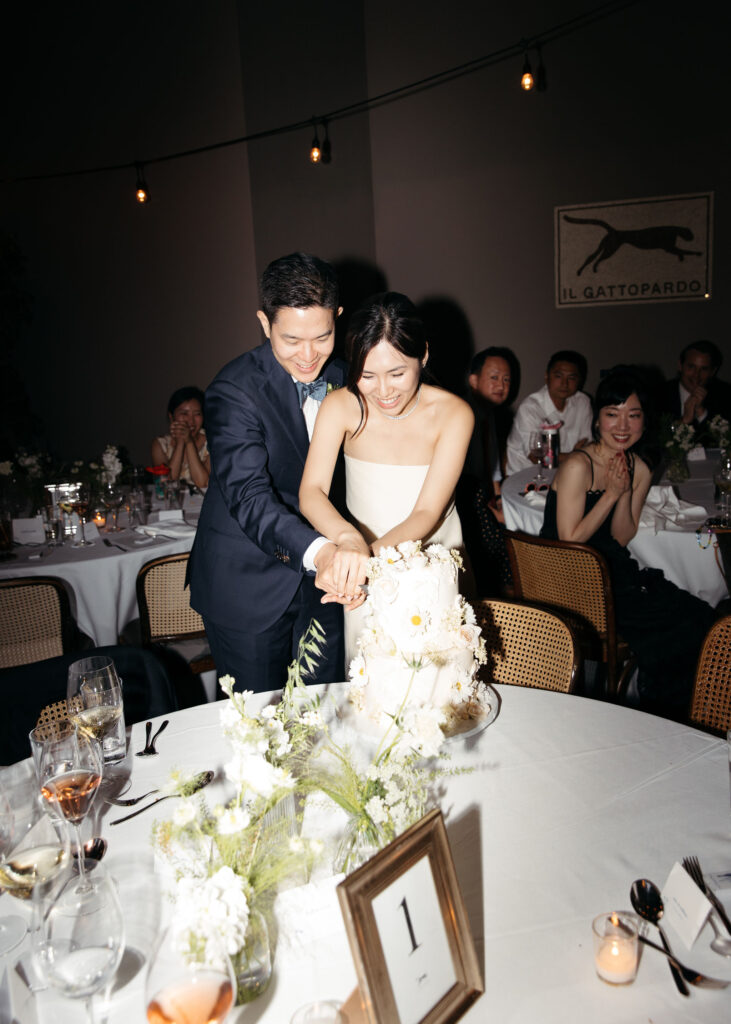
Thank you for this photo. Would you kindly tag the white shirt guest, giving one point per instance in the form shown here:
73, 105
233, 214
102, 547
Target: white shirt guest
558, 401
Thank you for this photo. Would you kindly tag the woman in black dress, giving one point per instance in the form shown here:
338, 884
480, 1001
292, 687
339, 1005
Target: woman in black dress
596, 498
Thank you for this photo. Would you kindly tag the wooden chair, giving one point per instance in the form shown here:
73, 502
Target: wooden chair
164, 605
573, 579
35, 620
710, 705
528, 646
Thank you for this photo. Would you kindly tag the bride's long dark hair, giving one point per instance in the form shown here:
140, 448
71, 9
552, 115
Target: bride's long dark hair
388, 316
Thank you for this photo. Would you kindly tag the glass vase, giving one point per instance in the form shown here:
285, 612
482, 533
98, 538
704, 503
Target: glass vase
253, 964
356, 846
678, 470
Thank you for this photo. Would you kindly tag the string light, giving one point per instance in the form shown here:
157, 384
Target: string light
527, 81
315, 151
142, 194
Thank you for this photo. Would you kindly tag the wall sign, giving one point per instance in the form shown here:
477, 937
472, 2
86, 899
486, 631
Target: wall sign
635, 250
408, 931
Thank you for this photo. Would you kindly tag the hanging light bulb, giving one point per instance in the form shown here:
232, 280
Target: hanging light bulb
142, 194
315, 151
526, 81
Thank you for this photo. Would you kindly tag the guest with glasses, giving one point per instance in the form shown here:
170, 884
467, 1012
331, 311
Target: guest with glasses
493, 380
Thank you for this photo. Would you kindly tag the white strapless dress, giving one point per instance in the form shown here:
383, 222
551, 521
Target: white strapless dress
379, 496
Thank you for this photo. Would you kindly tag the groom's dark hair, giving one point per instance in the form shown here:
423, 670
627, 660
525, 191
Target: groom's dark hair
299, 280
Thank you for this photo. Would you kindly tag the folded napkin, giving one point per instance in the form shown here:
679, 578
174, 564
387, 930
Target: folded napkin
663, 510
171, 529
697, 454
536, 498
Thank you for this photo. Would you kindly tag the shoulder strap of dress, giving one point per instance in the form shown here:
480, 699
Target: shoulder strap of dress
591, 464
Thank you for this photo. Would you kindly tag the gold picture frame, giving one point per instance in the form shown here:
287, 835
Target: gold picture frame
409, 932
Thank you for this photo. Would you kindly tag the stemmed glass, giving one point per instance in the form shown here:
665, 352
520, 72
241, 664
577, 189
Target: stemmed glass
94, 702
180, 989
537, 448
71, 771
112, 498
80, 505
33, 851
80, 941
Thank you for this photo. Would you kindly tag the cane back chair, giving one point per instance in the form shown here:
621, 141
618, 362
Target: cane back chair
164, 605
35, 620
710, 705
527, 646
572, 579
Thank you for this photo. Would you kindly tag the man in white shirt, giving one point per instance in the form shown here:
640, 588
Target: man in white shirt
558, 401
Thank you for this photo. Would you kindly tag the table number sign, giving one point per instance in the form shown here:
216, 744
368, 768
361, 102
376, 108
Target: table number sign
408, 931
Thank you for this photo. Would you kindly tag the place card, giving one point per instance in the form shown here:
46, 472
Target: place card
29, 531
686, 907
90, 532
166, 515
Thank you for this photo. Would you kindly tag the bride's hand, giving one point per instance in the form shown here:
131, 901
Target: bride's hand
341, 570
618, 480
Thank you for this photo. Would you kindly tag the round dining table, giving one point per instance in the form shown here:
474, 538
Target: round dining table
102, 577
673, 547
564, 802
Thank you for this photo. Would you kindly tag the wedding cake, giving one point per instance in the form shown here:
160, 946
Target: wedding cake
420, 646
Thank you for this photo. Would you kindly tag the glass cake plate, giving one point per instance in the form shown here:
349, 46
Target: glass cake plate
474, 724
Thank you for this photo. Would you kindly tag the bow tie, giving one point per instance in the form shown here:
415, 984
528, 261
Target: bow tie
316, 389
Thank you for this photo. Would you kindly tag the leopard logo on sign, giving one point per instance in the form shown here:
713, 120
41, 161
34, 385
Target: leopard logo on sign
632, 251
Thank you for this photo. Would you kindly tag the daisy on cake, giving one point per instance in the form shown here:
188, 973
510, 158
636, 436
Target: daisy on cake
420, 648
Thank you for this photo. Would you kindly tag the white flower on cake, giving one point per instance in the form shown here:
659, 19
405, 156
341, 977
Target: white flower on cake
420, 646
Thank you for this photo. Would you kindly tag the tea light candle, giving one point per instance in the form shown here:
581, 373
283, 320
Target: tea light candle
99, 520
615, 947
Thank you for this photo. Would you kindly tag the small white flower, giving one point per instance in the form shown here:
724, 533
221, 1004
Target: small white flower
296, 844
233, 820
376, 810
184, 812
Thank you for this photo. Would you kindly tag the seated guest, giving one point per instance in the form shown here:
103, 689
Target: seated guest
492, 380
596, 498
560, 400
184, 449
696, 395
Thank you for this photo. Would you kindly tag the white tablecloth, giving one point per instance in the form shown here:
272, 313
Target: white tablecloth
102, 579
568, 801
676, 552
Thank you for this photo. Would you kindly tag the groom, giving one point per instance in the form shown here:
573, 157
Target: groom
254, 557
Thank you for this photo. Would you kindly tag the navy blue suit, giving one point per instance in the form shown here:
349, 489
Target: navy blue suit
246, 572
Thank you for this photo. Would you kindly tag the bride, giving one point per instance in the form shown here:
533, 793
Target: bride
404, 442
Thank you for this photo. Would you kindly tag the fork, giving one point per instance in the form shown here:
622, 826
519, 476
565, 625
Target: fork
689, 975
719, 943
129, 801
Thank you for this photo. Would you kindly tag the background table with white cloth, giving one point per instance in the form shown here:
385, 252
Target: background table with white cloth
101, 579
567, 801
672, 547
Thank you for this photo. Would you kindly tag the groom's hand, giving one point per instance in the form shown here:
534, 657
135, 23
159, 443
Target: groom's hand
340, 569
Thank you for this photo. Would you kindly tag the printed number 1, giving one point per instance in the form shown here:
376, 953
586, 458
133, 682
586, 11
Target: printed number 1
409, 925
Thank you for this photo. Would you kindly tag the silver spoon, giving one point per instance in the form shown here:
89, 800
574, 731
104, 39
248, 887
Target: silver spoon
647, 901
198, 782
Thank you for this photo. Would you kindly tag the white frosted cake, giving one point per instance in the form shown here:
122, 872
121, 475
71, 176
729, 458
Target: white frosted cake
420, 647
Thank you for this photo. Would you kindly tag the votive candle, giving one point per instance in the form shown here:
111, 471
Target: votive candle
616, 947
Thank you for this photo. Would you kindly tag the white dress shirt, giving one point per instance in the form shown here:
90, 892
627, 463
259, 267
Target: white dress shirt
310, 410
537, 409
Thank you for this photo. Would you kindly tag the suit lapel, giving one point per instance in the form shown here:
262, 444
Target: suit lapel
281, 394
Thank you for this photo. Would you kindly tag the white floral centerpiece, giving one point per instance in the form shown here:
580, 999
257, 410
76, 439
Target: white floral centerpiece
720, 431
229, 860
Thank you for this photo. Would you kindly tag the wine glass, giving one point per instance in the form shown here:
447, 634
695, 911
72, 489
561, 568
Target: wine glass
33, 850
537, 449
79, 504
71, 771
95, 705
112, 498
80, 941
181, 988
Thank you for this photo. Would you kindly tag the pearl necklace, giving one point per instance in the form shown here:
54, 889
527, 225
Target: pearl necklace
404, 415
